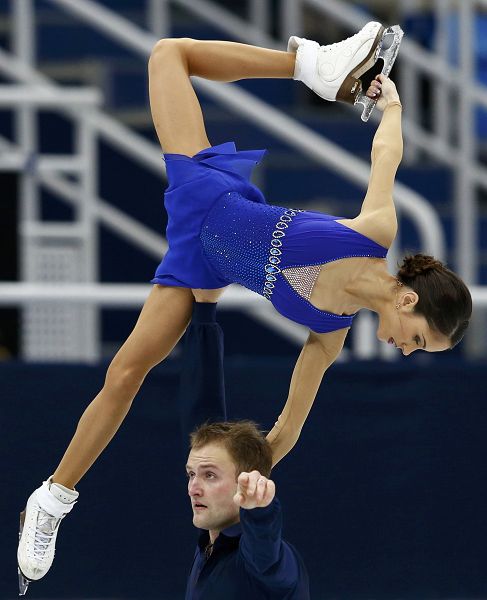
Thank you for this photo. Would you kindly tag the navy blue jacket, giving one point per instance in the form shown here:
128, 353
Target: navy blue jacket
249, 561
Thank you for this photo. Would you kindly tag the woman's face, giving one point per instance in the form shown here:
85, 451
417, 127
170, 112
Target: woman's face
401, 326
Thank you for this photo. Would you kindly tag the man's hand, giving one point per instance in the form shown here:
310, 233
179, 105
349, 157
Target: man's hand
254, 490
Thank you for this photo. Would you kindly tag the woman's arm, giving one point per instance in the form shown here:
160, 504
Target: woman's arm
377, 218
318, 353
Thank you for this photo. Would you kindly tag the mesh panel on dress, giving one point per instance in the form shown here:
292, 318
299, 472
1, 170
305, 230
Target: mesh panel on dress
302, 279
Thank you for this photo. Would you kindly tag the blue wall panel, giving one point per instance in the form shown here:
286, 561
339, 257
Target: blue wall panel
384, 495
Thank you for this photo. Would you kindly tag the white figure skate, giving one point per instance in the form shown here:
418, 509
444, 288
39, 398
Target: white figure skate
39, 526
333, 72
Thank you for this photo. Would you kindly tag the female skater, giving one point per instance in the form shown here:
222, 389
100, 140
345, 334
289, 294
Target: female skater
316, 269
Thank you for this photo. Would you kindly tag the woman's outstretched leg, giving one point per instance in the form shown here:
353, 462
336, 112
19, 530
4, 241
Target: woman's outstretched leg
161, 323
176, 111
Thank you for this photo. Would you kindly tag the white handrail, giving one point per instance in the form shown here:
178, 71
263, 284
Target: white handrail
134, 295
46, 97
105, 294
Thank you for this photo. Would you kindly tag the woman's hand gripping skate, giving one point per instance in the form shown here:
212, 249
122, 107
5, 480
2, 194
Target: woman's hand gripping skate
384, 89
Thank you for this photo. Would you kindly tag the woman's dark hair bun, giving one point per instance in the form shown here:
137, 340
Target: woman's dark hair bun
418, 265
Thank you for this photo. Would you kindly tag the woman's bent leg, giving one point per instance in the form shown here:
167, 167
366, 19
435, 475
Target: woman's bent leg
162, 322
175, 108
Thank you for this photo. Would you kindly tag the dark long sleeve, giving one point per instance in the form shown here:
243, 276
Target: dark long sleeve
202, 385
261, 546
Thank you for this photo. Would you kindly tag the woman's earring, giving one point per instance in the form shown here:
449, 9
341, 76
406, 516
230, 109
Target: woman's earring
397, 306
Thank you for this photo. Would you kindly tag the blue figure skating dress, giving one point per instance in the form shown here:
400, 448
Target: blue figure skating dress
221, 230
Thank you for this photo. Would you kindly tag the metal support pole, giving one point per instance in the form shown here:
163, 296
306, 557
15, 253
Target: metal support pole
410, 89
87, 148
25, 116
441, 91
364, 340
259, 14
466, 201
466, 214
26, 137
158, 18
291, 18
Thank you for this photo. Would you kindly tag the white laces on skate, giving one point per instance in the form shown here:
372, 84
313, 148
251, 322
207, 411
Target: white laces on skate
44, 533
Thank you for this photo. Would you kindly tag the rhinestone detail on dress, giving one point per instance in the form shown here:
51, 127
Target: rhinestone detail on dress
302, 279
235, 237
271, 268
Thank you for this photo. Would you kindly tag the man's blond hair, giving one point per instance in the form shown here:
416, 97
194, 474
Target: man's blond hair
243, 440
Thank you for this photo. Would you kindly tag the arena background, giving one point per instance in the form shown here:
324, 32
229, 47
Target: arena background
385, 493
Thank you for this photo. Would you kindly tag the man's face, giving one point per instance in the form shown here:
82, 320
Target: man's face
212, 483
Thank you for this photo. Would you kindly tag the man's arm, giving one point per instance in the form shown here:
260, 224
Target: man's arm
261, 546
202, 385
318, 353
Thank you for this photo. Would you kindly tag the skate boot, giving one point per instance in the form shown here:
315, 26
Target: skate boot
39, 525
333, 72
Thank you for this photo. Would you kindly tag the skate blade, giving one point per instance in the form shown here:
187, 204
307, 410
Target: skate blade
387, 49
23, 581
